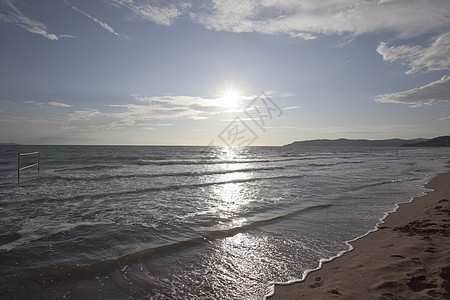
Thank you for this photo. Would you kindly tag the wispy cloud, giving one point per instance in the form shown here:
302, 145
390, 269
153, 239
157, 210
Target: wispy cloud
431, 58
445, 119
304, 19
60, 104
132, 113
290, 108
150, 112
82, 115
21, 119
149, 108
159, 12
179, 100
434, 92
304, 35
102, 24
157, 124
51, 103
307, 18
67, 36
33, 102
13, 15
172, 107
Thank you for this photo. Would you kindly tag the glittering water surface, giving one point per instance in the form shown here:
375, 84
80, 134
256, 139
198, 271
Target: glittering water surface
190, 222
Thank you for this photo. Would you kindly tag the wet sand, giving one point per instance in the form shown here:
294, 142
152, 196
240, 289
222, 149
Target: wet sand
407, 258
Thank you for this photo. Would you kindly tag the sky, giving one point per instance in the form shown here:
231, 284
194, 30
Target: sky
229, 72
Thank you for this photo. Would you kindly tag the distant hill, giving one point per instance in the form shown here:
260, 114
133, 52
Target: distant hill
357, 143
441, 141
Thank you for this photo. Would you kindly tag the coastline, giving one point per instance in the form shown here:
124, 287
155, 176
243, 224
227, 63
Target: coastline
406, 257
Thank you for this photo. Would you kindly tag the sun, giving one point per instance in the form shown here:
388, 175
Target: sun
230, 99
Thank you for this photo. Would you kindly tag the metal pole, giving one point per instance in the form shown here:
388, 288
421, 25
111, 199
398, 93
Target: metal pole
18, 167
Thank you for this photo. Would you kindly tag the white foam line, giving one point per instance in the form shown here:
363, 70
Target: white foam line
348, 243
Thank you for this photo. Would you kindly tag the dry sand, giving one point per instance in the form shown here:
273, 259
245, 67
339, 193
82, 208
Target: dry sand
407, 258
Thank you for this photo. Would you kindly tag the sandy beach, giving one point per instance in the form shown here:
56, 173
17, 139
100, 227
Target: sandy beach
408, 257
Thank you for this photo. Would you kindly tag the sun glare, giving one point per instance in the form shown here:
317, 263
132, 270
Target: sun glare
230, 99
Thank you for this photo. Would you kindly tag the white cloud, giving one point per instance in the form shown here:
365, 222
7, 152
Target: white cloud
434, 92
124, 122
304, 35
291, 107
180, 100
15, 16
6, 101
102, 24
20, 119
60, 104
305, 18
155, 112
145, 111
431, 58
162, 13
301, 19
34, 102
445, 119
82, 115
66, 36
157, 124
166, 108
139, 113
52, 103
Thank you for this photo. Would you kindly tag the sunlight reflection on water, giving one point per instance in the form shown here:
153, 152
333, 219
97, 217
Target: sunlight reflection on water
232, 196
240, 257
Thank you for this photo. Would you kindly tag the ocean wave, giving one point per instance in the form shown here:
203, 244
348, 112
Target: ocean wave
96, 167
397, 180
150, 175
63, 272
212, 162
155, 189
90, 158
335, 163
392, 181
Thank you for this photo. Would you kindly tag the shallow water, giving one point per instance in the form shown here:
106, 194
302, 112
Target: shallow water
190, 222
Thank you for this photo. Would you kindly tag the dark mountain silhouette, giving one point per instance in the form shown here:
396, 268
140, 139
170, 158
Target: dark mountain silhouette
441, 141
357, 143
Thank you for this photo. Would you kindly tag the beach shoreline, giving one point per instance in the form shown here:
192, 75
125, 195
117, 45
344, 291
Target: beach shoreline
407, 257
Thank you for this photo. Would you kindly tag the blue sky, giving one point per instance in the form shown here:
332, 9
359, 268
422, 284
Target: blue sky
222, 72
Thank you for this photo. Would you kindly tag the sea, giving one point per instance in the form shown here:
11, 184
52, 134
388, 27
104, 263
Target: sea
173, 222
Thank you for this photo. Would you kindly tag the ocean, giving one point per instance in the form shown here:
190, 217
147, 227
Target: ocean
153, 222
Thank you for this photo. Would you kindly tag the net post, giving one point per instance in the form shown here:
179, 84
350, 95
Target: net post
18, 167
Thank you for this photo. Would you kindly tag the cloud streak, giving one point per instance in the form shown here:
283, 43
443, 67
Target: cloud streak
102, 24
33, 102
59, 104
51, 103
82, 115
163, 108
434, 92
140, 112
431, 58
306, 18
179, 100
161, 13
301, 19
16, 17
